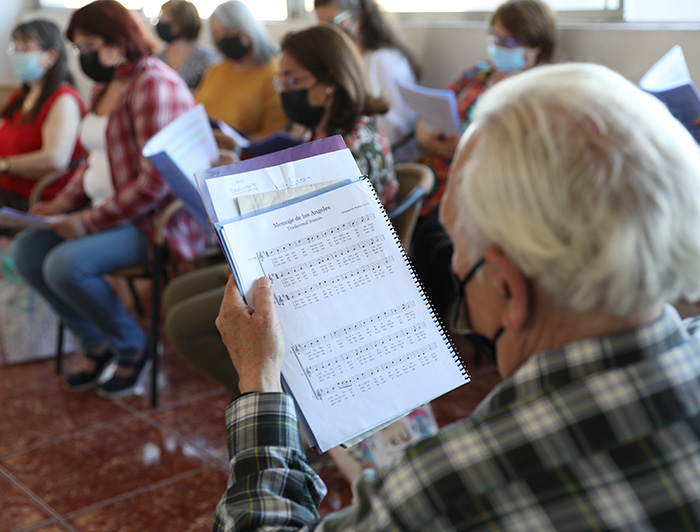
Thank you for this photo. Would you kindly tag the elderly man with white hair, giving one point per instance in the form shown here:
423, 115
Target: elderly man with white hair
574, 209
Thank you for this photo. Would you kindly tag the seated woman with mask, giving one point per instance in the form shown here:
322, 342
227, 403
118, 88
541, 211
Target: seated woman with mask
387, 60
323, 88
39, 123
179, 26
111, 203
522, 34
239, 90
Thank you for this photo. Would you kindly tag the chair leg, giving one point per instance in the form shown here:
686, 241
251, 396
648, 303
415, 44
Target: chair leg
58, 367
155, 321
135, 296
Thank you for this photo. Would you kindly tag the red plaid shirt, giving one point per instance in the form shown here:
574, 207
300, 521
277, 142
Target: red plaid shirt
153, 97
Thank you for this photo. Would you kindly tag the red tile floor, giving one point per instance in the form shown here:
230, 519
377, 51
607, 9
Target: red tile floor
76, 462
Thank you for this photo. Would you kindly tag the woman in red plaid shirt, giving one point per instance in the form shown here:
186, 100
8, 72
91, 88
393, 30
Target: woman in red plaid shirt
110, 205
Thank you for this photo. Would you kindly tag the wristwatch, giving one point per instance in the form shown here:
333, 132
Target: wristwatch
4, 165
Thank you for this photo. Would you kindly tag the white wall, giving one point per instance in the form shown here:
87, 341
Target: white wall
444, 50
630, 49
10, 11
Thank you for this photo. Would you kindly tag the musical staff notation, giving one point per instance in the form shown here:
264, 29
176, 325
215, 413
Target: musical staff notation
334, 285
407, 362
341, 332
321, 235
328, 262
364, 354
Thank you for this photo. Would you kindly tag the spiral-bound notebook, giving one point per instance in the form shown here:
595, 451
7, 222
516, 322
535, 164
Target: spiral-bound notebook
363, 345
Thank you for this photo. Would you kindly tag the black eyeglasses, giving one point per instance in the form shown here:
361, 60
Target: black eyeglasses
459, 284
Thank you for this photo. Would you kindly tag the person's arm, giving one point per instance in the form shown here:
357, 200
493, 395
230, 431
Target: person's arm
270, 484
388, 67
435, 142
59, 134
271, 487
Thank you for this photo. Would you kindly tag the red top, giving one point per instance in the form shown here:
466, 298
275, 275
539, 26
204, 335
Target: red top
17, 137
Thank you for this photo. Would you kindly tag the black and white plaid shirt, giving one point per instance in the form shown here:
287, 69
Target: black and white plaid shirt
601, 434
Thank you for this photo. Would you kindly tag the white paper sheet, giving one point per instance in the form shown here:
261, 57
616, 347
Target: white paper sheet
334, 166
362, 345
436, 107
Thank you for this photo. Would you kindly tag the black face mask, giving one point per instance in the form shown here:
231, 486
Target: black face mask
483, 345
296, 106
165, 32
93, 69
233, 47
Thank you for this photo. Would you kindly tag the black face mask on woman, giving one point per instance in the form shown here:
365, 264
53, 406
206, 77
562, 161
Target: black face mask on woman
165, 31
90, 63
233, 47
296, 106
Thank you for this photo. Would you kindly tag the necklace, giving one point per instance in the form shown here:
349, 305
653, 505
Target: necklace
27, 104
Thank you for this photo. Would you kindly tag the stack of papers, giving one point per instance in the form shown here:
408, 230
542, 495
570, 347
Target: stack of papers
669, 80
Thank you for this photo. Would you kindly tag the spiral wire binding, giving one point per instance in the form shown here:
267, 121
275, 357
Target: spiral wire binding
421, 289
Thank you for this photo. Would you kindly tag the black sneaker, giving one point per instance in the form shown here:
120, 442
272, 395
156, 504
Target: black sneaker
84, 380
121, 386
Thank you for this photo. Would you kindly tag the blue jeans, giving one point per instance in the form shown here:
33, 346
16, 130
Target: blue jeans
68, 274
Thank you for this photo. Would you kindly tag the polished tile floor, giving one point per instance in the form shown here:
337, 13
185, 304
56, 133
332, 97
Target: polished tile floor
76, 462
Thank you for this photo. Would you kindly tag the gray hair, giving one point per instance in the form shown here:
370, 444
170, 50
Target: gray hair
235, 15
589, 185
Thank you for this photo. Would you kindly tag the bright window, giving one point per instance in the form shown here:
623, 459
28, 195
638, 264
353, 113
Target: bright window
434, 10
478, 9
262, 9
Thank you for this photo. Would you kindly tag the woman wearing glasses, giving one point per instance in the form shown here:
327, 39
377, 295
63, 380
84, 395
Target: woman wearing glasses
522, 35
111, 203
387, 61
39, 123
324, 87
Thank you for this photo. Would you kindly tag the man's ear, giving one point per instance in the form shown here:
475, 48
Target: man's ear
514, 289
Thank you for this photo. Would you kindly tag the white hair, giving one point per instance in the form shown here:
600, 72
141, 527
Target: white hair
235, 15
589, 185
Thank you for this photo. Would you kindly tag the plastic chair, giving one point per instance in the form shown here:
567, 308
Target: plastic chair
415, 182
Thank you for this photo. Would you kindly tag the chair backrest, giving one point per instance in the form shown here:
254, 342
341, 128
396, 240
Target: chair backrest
45, 181
415, 182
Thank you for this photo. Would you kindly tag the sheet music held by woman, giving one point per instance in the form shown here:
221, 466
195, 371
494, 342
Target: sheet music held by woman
363, 345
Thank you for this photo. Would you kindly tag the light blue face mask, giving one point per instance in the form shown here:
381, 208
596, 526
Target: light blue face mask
507, 59
26, 66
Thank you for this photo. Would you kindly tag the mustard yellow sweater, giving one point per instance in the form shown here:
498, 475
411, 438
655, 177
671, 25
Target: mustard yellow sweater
244, 99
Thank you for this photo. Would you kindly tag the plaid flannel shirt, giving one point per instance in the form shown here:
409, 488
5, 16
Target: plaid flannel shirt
153, 97
600, 434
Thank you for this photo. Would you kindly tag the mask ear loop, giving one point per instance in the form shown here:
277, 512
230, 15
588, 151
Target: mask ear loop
484, 346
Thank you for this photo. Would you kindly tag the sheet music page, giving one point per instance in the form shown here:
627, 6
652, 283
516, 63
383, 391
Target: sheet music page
336, 165
361, 344
436, 107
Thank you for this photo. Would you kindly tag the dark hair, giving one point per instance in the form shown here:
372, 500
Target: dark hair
49, 37
530, 22
331, 56
375, 32
113, 22
186, 17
